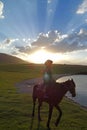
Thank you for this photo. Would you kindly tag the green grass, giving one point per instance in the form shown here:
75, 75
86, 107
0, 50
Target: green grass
16, 108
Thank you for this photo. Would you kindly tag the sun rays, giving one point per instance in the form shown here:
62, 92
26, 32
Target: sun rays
42, 55
59, 27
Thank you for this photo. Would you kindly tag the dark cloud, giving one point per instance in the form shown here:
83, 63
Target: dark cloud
25, 49
7, 41
71, 43
45, 39
55, 42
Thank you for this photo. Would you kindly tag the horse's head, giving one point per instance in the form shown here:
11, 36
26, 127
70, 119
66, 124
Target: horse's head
72, 87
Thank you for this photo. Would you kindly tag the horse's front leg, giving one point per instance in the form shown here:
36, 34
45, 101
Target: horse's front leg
34, 101
60, 114
50, 114
39, 106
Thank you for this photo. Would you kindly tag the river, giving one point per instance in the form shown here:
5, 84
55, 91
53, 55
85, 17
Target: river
81, 88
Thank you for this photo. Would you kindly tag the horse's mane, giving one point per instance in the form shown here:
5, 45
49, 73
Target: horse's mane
62, 84
65, 82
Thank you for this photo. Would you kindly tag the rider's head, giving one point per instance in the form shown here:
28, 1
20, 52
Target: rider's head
48, 63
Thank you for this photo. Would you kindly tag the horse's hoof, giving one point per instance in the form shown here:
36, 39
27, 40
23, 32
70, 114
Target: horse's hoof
48, 127
32, 115
56, 124
40, 119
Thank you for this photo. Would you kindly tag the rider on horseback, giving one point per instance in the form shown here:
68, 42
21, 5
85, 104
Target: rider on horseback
47, 75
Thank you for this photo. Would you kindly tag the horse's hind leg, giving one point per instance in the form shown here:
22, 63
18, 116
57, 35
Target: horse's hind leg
60, 114
50, 114
39, 106
34, 101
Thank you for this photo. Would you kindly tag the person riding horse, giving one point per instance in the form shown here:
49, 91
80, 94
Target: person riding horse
54, 93
48, 80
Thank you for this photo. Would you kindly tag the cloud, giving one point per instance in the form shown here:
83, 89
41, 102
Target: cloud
25, 49
1, 10
74, 42
7, 43
46, 39
42, 41
82, 8
7, 46
55, 42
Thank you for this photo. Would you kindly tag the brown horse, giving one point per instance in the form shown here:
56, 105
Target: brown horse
55, 94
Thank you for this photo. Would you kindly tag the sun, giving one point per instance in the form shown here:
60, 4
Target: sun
42, 55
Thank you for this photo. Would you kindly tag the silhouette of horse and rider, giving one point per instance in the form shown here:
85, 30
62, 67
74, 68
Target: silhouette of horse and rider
51, 92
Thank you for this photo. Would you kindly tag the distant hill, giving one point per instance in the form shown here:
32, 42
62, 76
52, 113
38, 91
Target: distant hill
5, 58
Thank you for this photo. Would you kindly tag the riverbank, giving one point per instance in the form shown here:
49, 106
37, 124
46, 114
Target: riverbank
26, 86
76, 103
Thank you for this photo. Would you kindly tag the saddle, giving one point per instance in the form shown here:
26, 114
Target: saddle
45, 90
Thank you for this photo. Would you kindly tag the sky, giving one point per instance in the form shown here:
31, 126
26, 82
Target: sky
37, 30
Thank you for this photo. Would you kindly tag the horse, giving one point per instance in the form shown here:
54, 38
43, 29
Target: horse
56, 93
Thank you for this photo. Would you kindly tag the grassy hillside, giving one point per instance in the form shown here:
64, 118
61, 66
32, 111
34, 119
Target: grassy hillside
16, 108
5, 58
71, 69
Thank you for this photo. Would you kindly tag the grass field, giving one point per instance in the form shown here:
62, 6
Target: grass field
16, 108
